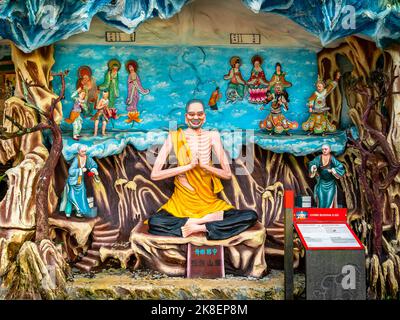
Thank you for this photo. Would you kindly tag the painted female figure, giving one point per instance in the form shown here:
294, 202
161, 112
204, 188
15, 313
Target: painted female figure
236, 86
258, 84
74, 196
327, 169
318, 121
87, 83
279, 77
134, 86
276, 122
111, 81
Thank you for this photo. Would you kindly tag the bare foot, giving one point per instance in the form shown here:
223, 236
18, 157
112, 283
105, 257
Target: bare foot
189, 229
215, 216
193, 221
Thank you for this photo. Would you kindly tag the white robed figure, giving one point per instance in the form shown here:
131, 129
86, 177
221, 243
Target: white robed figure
74, 196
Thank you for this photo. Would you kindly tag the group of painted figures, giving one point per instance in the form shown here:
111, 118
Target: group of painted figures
98, 102
263, 91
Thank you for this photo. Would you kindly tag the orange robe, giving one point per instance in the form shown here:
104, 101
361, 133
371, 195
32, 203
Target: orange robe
186, 203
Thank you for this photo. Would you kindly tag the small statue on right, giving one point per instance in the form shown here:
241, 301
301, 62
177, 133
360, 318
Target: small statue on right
326, 169
318, 122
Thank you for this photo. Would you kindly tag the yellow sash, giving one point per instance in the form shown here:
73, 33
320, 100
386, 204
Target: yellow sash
186, 203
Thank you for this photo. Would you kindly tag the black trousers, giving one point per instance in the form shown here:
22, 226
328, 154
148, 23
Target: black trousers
235, 221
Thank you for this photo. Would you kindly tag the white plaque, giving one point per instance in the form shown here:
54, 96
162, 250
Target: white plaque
327, 235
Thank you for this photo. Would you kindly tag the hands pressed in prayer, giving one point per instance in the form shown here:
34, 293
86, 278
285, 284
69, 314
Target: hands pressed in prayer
204, 165
195, 161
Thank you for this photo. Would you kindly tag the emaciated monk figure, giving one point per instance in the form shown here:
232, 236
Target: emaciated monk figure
194, 206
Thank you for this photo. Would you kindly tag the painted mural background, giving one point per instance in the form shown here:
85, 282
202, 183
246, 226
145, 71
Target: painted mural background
175, 75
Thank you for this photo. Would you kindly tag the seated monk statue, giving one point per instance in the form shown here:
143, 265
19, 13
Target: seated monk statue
194, 207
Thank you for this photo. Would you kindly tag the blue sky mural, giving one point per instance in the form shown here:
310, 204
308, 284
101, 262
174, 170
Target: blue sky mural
175, 75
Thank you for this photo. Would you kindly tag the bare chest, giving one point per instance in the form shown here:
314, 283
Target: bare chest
200, 145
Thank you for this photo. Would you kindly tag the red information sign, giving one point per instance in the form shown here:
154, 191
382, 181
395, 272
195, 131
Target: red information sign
205, 262
322, 228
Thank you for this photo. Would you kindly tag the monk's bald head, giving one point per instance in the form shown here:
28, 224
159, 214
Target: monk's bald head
194, 103
326, 149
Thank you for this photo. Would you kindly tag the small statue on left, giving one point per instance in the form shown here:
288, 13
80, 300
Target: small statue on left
74, 197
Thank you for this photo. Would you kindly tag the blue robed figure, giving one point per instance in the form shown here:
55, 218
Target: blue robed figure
74, 195
327, 169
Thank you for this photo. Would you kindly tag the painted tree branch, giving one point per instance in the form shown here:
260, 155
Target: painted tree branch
42, 210
4, 135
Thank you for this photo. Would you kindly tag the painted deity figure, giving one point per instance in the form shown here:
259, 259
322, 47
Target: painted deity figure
237, 86
102, 114
258, 85
79, 107
318, 122
276, 122
279, 77
134, 86
194, 206
88, 83
111, 81
326, 169
74, 197
214, 98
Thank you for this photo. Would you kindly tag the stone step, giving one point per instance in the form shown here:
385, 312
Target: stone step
97, 245
274, 252
83, 267
107, 239
103, 226
89, 261
275, 232
110, 232
93, 253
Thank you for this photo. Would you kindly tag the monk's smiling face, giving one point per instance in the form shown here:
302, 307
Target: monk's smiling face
195, 115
